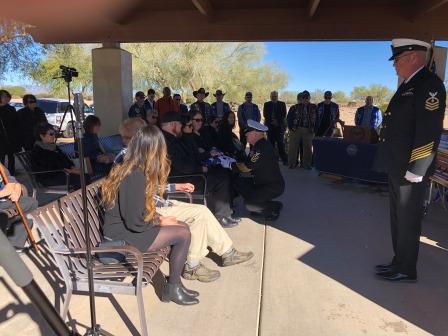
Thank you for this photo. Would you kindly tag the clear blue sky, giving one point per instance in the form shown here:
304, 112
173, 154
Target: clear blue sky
334, 65
325, 65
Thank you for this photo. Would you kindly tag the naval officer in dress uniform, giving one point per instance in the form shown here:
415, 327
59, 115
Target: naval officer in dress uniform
266, 181
409, 138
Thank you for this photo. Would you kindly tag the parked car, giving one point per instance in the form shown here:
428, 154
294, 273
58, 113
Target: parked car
54, 110
17, 105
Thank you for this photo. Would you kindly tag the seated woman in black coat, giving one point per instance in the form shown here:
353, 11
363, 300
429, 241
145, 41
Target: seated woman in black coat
46, 155
228, 142
100, 160
128, 196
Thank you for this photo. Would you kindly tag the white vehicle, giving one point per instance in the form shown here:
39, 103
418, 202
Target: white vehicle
54, 111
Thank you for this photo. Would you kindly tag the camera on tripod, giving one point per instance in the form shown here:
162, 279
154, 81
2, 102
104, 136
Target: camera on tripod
68, 73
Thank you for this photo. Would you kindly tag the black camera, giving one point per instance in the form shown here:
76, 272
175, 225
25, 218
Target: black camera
68, 73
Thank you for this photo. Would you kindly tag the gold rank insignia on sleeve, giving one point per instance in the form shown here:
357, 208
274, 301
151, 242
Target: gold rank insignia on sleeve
421, 152
242, 167
255, 157
432, 103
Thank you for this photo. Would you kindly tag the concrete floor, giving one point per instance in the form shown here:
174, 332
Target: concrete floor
312, 275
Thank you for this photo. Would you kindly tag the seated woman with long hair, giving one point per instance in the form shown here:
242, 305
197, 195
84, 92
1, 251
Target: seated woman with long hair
127, 194
46, 156
228, 141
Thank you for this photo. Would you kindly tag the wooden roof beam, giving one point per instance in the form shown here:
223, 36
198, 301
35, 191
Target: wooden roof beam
204, 7
426, 6
312, 8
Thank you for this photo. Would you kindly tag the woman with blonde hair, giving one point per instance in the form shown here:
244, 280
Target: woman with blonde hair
127, 194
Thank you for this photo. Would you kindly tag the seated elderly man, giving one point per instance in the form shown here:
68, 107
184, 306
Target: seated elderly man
185, 161
369, 115
205, 230
9, 193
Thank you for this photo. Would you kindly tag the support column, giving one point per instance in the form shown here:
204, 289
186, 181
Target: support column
112, 85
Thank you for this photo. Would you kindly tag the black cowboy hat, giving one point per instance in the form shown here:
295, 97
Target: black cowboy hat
219, 93
201, 90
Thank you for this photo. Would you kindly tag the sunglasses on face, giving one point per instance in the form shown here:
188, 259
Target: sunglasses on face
198, 120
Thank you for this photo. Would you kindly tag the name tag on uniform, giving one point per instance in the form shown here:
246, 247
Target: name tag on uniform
408, 93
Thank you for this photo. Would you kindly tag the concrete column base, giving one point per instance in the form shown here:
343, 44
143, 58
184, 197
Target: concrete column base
112, 86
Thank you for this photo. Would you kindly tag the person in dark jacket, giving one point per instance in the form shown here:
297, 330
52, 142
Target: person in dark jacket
409, 138
100, 160
266, 182
220, 108
9, 131
184, 162
274, 113
128, 196
29, 117
228, 141
184, 113
138, 109
246, 111
46, 156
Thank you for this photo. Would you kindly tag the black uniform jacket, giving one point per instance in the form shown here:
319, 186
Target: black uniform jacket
263, 166
412, 125
274, 111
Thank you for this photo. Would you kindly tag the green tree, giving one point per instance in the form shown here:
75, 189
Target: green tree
289, 97
18, 52
317, 95
381, 94
340, 97
76, 56
232, 67
15, 91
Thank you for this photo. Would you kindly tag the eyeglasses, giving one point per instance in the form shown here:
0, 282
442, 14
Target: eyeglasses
396, 59
198, 120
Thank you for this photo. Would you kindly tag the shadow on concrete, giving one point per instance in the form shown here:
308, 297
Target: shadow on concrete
19, 307
348, 225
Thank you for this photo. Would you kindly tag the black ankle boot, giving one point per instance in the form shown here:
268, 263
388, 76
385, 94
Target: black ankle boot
189, 292
175, 293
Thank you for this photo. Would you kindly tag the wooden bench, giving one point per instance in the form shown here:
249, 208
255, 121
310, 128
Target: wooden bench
61, 224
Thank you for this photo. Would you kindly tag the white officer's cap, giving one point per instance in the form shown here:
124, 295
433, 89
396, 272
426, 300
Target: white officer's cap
400, 45
253, 125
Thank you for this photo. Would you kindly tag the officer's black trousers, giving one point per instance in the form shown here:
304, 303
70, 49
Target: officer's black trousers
256, 198
406, 213
276, 137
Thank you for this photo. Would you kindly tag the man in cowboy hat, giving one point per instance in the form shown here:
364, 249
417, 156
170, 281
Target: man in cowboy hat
201, 105
220, 108
266, 182
409, 138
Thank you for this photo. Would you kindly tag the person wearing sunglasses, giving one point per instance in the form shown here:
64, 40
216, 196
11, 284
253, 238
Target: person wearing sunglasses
30, 116
184, 113
47, 156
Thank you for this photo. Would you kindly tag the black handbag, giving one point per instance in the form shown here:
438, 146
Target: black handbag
111, 257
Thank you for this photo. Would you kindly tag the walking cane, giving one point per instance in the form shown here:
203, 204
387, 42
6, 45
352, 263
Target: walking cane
19, 209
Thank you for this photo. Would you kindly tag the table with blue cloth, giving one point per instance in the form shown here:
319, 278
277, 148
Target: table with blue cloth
343, 158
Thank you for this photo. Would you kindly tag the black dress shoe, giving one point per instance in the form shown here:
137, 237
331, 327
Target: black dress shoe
385, 272
381, 267
399, 277
226, 222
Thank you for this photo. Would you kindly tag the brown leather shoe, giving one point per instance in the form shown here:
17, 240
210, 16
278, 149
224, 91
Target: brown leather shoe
200, 273
235, 257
